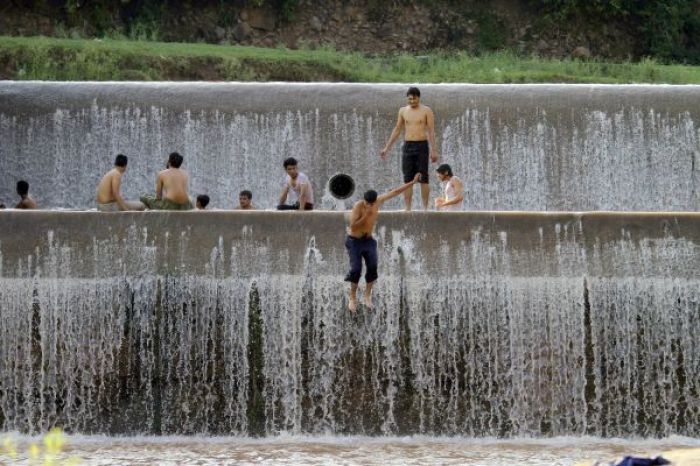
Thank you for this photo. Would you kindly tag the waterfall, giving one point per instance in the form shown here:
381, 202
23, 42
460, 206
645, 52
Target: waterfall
537, 326
567, 148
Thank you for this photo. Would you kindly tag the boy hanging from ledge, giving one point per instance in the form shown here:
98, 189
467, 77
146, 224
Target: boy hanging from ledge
360, 244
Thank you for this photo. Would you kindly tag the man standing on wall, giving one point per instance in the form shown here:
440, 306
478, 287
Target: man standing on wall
360, 244
419, 123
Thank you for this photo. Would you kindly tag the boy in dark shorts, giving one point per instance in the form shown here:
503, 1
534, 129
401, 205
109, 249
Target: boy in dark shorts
360, 244
419, 123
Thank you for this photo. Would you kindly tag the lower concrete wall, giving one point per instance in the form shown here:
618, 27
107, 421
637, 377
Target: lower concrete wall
498, 324
91, 244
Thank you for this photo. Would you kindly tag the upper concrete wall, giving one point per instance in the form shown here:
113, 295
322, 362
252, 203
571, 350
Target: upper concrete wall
517, 147
91, 244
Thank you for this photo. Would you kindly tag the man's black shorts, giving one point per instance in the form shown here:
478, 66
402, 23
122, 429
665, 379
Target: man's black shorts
415, 160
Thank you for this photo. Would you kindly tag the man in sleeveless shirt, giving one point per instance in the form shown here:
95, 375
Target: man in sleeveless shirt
419, 124
298, 185
453, 190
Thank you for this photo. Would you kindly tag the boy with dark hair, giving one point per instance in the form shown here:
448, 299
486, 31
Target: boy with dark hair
26, 201
297, 184
202, 202
360, 244
453, 190
171, 187
419, 124
245, 200
109, 197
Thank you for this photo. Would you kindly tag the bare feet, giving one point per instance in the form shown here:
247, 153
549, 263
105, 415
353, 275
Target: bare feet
368, 300
352, 304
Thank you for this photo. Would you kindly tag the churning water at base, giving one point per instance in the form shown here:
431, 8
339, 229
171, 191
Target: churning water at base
317, 451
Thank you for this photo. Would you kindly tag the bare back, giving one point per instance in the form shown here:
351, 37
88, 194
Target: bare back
172, 184
416, 121
108, 189
26, 203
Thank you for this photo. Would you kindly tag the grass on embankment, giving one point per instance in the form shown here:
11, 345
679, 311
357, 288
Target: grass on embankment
67, 59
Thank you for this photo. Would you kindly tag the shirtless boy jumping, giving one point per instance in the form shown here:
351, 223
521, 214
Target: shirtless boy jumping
419, 122
360, 244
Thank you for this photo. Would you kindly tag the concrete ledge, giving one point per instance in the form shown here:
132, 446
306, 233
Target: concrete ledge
63, 244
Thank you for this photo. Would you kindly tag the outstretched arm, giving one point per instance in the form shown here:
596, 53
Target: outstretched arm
395, 192
394, 136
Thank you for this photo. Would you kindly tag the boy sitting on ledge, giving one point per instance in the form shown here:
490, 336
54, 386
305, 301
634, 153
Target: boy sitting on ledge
109, 197
174, 182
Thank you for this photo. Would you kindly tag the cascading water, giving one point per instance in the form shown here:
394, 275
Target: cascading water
531, 147
490, 326
484, 324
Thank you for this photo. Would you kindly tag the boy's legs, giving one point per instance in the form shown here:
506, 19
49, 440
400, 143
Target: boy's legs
370, 256
355, 255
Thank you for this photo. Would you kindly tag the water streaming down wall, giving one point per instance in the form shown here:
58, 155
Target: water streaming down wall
507, 324
534, 147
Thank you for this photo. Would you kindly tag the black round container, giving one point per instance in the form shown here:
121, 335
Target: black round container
341, 186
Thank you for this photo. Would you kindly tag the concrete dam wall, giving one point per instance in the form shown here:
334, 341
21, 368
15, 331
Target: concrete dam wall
517, 147
497, 324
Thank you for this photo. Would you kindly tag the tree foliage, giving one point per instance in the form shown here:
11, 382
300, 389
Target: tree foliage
669, 30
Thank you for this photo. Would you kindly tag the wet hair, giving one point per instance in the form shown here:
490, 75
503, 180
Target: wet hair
413, 91
371, 196
175, 160
121, 160
22, 188
203, 200
444, 169
247, 194
291, 161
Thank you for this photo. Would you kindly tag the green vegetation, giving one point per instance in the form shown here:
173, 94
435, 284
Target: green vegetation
67, 59
670, 29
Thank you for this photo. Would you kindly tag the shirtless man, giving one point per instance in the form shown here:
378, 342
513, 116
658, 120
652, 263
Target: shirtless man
360, 244
109, 197
419, 123
26, 201
453, 196
171, 187
245, 200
